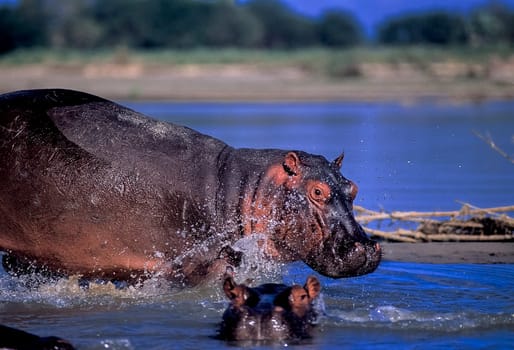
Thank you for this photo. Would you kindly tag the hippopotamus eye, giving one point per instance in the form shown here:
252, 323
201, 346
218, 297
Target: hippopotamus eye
317, 194
318, 191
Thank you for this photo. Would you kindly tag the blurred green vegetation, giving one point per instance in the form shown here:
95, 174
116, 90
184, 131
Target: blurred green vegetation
253, 25
336, 63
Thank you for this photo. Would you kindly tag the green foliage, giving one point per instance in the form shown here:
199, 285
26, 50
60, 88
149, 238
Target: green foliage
338, 29
73, 26
8, 25
231, 25
437, 28
141, 24
282, 28
23, 26
253, 24
492, 24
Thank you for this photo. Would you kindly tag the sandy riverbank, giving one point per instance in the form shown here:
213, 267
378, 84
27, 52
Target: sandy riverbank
450, 252
249, 82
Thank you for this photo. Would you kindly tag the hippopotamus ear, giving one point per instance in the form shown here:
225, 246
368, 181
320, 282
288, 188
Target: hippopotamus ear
312, 286
292, 164
339, 161
229, 287
239, 294
299, 300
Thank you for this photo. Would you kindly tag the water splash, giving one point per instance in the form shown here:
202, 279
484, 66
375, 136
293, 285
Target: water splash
256, 265
68, 292
113, 344
72, 291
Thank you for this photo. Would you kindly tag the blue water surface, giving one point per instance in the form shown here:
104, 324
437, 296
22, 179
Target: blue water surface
419, 157
400, 306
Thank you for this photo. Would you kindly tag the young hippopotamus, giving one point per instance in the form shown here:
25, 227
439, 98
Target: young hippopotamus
270, 311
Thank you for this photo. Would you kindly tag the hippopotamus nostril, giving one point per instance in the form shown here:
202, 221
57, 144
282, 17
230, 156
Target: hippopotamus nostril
358, 253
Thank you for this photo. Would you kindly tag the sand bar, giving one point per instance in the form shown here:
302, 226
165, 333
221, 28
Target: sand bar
250, 83
450, 252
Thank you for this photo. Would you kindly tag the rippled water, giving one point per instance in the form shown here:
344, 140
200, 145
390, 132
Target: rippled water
420, 157
401, 305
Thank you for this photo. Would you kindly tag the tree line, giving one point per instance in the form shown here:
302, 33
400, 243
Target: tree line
269, 24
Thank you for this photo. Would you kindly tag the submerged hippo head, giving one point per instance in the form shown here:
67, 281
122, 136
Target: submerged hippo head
270, 311
315, 222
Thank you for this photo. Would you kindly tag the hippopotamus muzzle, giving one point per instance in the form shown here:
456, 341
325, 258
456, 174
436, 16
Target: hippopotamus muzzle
344, 259
347, 251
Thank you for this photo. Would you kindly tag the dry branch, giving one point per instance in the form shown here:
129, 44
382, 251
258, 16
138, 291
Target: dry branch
470, 223
390, 236
489, 140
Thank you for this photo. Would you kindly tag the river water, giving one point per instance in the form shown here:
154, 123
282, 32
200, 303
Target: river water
419, 157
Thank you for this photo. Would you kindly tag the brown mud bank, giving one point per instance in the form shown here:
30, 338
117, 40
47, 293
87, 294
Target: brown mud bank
450, 252
405, 83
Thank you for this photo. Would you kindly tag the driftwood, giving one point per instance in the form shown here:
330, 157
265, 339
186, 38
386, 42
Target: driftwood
469, 224
489, 140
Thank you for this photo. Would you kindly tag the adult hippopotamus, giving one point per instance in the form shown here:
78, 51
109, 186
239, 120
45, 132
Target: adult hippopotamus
271, 311
93, 188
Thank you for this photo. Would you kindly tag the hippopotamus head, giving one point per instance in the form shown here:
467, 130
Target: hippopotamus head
270, 311
315, 222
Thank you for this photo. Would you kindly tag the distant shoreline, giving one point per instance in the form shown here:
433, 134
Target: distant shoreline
401, 75
242, 83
